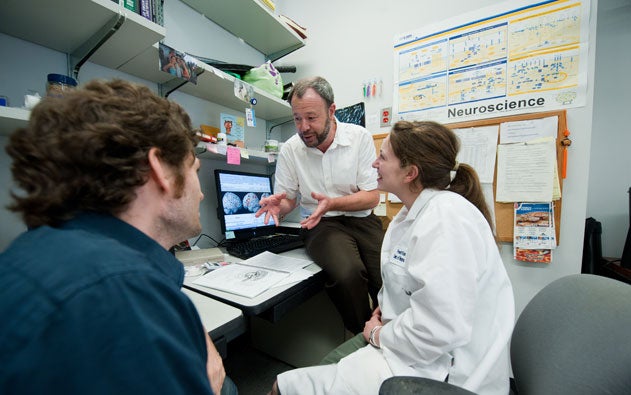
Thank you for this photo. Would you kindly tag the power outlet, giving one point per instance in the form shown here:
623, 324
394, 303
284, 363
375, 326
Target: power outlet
386, 117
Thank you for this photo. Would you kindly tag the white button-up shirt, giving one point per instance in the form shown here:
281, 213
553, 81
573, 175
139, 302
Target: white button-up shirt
345, 168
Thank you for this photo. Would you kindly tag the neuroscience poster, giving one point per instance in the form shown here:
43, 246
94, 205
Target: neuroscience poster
511, 58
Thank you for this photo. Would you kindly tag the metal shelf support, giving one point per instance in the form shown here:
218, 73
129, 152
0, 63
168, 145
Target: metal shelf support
80, 55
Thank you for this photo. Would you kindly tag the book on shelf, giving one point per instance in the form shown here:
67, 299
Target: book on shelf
131, 5
300, 30
149, 9
158, 11
144, 9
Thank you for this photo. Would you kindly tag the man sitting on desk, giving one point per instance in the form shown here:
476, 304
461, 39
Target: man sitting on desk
91, 300
328, 163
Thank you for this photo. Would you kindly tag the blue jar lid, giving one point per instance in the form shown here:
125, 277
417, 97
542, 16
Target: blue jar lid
62, 79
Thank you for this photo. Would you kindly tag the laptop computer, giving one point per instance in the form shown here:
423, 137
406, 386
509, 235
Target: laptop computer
238, 197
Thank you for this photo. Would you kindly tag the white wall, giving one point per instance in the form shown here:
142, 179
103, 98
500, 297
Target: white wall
351, 41
609, 173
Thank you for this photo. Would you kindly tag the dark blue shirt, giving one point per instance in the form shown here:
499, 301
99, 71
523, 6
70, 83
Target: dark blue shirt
95, 307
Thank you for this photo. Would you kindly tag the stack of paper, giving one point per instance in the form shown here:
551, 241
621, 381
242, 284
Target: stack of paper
256, 275
195, 257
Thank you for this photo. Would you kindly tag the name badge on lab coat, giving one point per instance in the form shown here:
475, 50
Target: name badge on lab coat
398, 257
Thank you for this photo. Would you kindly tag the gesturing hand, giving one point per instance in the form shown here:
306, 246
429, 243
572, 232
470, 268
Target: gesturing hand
271, 207
324, 204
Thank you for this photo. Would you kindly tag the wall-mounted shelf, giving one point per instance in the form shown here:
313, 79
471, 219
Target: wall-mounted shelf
252, 22
213, 85
12, 118
254, 156
65, 25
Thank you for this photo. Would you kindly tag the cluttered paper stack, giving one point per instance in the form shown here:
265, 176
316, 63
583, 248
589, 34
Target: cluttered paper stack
256, 275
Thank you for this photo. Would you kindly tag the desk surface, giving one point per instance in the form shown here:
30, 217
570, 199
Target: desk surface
278, 298
223, 322
213, 313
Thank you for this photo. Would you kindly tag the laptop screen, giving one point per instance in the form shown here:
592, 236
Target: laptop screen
238, 196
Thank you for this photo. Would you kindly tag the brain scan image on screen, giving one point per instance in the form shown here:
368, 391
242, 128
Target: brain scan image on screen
231, 203
251, 202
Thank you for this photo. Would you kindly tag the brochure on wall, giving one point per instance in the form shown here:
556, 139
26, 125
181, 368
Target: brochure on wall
534, 232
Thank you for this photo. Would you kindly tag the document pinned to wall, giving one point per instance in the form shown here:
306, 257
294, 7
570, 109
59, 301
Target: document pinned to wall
478, 146
528, 130
525, 171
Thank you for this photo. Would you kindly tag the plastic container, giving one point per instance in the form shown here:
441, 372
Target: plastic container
271, 145
57, 84
221, 139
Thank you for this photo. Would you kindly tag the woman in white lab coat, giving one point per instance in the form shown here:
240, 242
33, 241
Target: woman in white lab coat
446, 308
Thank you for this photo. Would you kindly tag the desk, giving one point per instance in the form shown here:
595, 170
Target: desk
222, 322
615, 270
295, 323
274, 303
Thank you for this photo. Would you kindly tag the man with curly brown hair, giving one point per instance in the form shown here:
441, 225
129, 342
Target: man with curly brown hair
90, 299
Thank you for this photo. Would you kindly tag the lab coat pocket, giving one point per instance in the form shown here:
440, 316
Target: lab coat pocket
397, 274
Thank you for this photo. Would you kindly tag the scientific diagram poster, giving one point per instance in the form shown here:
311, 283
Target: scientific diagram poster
516, 57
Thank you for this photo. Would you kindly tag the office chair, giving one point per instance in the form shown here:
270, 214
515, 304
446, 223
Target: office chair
574, 337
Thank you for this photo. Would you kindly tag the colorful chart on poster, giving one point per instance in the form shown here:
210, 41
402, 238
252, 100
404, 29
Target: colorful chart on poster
517, 57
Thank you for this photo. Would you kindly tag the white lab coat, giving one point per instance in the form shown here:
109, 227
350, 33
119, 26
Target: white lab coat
447, 306
446, 297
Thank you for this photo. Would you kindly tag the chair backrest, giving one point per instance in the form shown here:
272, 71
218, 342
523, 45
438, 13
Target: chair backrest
574, 337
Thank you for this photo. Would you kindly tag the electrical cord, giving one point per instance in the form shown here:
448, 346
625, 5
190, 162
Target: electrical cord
217, 243
269, 132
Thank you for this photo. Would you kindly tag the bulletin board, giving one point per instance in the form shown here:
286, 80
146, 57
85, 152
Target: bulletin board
504, 212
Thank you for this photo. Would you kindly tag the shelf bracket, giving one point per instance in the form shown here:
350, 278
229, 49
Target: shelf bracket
279, 54
271, 124
80, 55
168, 87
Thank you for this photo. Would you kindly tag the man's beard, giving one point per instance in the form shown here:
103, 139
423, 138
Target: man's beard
320, 138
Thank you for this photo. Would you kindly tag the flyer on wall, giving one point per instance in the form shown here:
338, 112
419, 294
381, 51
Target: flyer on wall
534, 232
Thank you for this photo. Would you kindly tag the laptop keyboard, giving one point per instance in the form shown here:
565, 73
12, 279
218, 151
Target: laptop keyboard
275, 244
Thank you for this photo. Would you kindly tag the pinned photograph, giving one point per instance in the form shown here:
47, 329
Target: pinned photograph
178, 64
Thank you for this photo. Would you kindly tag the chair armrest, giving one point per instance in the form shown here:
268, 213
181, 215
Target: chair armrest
407, 385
